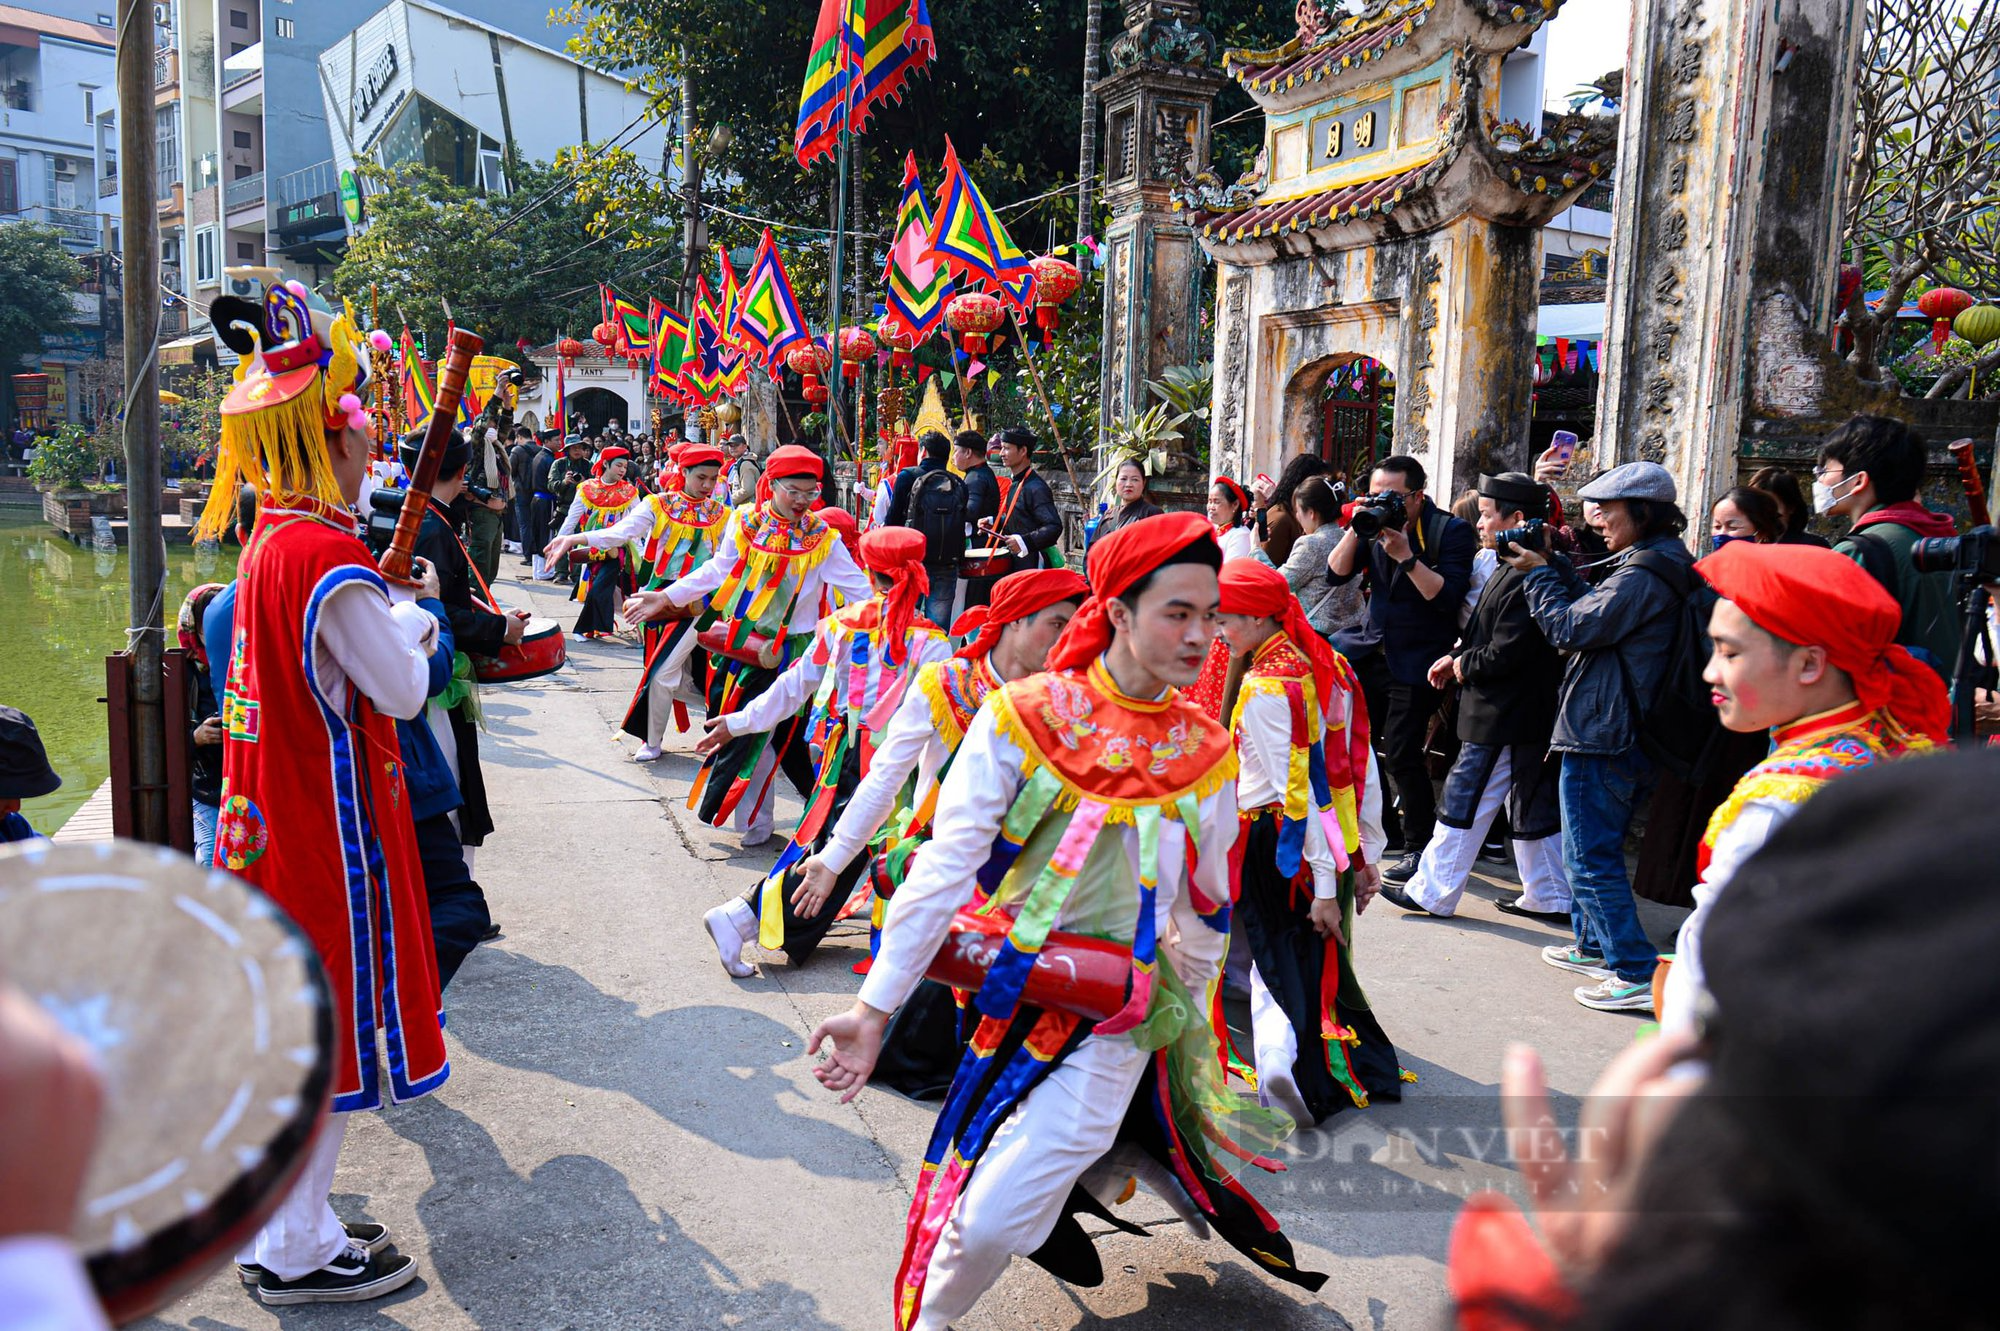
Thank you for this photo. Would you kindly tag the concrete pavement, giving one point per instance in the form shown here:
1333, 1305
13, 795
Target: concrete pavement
632, 1139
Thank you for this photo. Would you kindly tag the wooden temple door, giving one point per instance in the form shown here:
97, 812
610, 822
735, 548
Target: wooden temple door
1358, 406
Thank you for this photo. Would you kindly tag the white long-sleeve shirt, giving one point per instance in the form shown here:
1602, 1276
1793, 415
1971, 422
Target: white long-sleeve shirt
909, 743
838, 570
1264, 754
636, 525
383, 650
43, 1287
981, 786
791, 690
1744, 837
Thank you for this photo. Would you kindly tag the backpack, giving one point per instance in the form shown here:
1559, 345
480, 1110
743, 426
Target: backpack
1878, 559
937, 510
1681, 732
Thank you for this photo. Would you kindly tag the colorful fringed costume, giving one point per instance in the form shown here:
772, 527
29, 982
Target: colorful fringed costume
1310, 813
608, 573
1070, 806
682, 535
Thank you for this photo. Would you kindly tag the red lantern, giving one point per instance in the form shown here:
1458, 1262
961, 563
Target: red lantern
973, 315
902, 346
1056, 280
606, 334
1943, 304
857, 348
811, 360
567, 351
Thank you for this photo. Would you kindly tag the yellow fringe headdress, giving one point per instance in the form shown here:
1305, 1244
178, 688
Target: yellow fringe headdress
301, 375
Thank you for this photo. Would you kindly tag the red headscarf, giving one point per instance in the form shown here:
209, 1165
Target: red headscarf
1116, 562
699, 455
673, 475
791, 460
1015, 597
1816, 598
607, 457
897, 553
1242, 499
843, 522
1251, 588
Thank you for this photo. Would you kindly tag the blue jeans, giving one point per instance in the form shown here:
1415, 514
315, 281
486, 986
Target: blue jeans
204, 833
1598, 794
944, 586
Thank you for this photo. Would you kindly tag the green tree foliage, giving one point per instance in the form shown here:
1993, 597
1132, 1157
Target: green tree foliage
521, 266
39, 279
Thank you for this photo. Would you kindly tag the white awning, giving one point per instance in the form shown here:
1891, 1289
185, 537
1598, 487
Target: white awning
181, 350
1584, 321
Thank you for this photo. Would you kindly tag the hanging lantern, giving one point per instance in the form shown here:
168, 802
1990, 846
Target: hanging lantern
1942, 304
606, 334
1542, 373
1056, 280
889, 404
728, 414
902, 346
810, 361
857, 348
1978, 324
973, 315
567, 351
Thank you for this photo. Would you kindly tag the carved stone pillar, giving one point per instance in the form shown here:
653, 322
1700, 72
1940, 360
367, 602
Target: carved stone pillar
1157, 103
1736, 125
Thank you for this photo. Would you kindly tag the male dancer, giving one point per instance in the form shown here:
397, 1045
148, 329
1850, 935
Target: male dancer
680, 528
858, 671
760, 593
314, 808
1305, 859
1088, 800
1805, 646
600, 502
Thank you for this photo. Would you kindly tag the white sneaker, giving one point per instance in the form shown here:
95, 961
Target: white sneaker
729, 943
647, 753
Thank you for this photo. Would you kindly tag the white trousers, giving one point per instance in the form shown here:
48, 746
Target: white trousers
1016, 1194
757, 826
1447, 861
670, 681
304, 1234
1276, 1042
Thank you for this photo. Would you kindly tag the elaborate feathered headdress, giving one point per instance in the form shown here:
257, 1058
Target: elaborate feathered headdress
303, 372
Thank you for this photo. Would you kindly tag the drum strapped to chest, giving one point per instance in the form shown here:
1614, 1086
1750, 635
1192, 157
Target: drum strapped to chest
986, 562
542, 650
209, 1016
765, 653
1072, 972
584, 554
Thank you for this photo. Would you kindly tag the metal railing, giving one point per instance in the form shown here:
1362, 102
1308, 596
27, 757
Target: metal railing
77, 225
242, 193
166, 68
312, 182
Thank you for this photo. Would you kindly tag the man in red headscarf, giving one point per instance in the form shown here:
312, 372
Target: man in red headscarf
860, 666
602, 501
1028, 613
1088, 799
1805, 647
756, 603
1306, 858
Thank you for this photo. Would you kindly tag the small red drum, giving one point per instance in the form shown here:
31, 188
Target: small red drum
209, 1016
541, 651
986, 562
583, 554
1087, 976
756, 649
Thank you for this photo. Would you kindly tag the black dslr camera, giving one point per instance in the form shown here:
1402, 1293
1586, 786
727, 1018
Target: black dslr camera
1975, 556
1530, 535
1378, 513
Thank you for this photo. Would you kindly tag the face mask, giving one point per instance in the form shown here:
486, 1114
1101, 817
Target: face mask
1720, 539
1825, 497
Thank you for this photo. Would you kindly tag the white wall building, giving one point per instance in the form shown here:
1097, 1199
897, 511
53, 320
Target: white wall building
58, 126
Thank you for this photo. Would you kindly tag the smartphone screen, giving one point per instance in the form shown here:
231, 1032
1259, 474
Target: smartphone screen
1564, 443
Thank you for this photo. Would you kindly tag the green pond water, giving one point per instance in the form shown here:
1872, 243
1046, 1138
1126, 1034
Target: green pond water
62, 611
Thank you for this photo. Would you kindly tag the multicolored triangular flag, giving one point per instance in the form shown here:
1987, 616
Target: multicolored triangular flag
635, 336
419, 394
768, 322
968, 236
670, 346
559, 409
863, 53
919, 285
704, 374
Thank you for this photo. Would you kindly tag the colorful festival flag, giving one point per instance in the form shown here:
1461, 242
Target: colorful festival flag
635, 336
419, 394
919, 285
768, 322
863, 53
704, 374
670, 346
559, 409
968, 236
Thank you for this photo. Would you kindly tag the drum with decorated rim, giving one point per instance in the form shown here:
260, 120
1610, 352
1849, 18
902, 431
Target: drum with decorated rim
209, 1016
541, 651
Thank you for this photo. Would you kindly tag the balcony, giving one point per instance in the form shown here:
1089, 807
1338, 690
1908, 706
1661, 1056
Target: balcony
81, 230
166, 69
245, 193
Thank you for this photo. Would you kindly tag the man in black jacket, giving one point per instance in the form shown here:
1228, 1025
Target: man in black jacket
521, 469
1419, 569
929, 500
1028, 523
1508, 677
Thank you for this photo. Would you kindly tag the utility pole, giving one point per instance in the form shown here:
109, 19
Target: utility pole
137, 167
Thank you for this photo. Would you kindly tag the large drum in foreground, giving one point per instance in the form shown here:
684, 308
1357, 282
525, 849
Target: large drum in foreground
541, 651
210, 1019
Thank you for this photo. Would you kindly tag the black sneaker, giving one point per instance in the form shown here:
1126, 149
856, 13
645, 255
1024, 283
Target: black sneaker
489, 933
353, 1277
372, 1237
1403, 870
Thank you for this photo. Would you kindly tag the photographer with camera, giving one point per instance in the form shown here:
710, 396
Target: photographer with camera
1621, 638
1508, 675
1418, 559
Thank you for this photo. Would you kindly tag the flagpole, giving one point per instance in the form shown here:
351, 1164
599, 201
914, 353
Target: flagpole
1035, 371
839, 239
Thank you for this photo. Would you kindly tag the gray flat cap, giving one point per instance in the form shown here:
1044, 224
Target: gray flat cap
1634, 480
